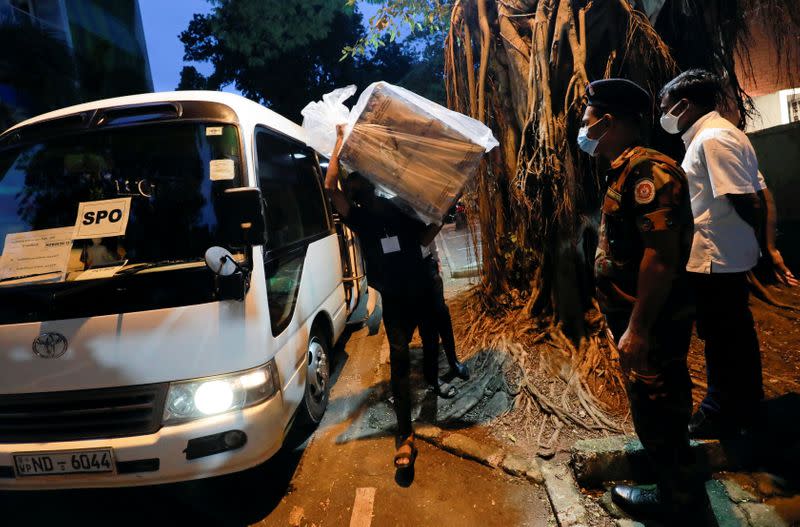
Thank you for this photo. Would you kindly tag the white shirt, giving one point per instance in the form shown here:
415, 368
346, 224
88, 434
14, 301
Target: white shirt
720, 160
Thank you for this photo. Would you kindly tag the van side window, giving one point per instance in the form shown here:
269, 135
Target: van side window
296, 215
291, 187
314, 202
283, 274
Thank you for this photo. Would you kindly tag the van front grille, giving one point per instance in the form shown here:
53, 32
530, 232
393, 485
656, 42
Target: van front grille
82, 414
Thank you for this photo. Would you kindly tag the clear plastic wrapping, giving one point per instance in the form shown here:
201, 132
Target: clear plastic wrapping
408, 146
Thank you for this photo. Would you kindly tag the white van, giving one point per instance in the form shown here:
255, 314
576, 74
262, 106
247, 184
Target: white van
171, 285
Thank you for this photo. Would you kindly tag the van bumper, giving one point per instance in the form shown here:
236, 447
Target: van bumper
263, 424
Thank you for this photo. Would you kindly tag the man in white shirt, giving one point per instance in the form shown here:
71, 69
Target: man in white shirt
725, 187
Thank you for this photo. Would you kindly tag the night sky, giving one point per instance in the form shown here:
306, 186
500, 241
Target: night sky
161, 29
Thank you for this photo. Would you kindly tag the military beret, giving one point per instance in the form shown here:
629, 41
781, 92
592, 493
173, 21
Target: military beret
618, 94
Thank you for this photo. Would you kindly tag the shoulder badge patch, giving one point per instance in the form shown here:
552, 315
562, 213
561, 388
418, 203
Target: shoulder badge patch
644, 191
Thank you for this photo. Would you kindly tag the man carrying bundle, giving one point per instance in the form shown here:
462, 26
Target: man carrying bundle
391, 243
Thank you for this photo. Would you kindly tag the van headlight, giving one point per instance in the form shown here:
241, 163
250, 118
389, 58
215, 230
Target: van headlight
188, 400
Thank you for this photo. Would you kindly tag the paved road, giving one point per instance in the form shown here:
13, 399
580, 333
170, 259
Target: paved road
343, 471
337, 477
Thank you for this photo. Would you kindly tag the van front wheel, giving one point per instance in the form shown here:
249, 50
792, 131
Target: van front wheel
317, 390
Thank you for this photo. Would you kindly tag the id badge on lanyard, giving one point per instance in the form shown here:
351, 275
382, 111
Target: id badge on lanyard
390, 244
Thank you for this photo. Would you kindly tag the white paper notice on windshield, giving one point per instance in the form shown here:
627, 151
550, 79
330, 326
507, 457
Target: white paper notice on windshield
222, 169
101, 219
43, 253
100, 272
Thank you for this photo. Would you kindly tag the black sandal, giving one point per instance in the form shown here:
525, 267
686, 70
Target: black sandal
401, 456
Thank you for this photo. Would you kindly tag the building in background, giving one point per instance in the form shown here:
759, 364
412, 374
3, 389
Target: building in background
772, 78
59, 52
49, 15
110, 52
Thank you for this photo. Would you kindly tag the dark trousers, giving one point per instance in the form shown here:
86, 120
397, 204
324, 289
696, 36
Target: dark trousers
661, 412
733, 358
402, 314
438, 323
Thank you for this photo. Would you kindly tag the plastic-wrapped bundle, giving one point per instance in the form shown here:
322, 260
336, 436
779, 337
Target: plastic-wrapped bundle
408, 146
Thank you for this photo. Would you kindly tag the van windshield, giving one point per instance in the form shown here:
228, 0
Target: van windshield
147, 196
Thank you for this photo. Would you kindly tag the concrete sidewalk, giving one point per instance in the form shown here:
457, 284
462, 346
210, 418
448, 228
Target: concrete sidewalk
744, 491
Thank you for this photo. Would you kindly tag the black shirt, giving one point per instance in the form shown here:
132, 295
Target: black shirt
390, 271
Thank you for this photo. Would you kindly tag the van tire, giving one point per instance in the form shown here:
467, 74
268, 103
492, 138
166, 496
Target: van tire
317, 390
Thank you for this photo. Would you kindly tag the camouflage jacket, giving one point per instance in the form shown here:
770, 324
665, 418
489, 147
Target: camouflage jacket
647, 192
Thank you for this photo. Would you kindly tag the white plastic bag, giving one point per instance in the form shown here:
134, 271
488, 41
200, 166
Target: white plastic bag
320, 119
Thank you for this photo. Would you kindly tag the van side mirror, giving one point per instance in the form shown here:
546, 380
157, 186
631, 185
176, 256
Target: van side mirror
242, 220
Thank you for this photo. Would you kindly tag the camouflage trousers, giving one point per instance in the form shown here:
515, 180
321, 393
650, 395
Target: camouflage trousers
661, 411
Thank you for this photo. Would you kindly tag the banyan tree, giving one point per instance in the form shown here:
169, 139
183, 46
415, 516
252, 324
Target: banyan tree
522, 67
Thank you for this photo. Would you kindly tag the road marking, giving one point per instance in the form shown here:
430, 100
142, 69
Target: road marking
362, 507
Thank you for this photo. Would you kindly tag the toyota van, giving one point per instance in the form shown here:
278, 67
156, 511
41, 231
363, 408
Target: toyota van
172, 283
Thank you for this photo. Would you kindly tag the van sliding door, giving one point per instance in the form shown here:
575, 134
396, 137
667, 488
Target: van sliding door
353, 269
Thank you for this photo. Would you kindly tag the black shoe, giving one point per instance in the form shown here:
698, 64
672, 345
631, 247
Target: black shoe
460, 370
638, 502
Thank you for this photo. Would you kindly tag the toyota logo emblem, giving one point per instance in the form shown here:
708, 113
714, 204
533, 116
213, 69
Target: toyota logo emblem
50, 345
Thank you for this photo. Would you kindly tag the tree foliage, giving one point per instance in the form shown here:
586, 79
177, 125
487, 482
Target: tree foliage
426, 76
395, 16
286, 55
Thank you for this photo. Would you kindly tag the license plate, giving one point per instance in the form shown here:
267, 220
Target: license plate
64, 462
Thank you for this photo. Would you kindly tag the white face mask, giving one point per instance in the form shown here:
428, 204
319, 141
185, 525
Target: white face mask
669, 122
588, 144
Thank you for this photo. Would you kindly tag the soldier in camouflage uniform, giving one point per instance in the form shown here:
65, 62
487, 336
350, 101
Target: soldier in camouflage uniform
645, 238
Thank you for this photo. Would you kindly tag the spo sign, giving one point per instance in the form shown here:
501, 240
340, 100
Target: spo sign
99, 219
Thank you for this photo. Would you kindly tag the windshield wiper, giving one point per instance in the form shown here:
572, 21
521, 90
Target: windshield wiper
133, 269
25, 277
138, 268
